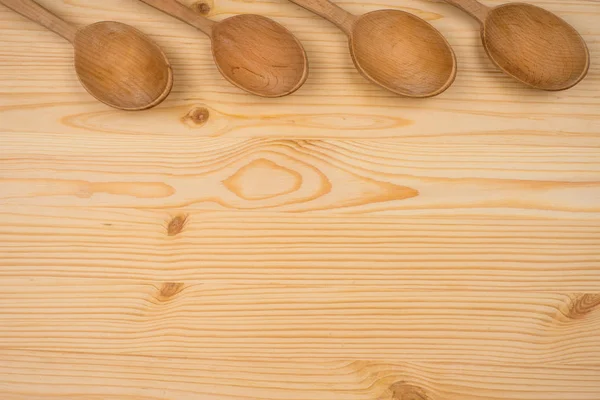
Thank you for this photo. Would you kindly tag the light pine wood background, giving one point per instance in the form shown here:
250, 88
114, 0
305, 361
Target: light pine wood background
341, 243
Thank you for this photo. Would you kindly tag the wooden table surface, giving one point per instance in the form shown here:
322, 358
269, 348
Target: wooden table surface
340, 243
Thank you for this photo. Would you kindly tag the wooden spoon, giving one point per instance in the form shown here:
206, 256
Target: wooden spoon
394, 49
530, 44
252, 52
117, 64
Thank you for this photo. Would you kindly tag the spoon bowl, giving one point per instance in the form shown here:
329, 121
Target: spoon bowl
394, 49
115, 63
535, 46
402, 53
259, 55
252, 52
121, 67
530, 44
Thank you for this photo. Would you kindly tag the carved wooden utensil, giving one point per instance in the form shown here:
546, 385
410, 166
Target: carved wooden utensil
394, 49
530, 44
116, 63
252, 52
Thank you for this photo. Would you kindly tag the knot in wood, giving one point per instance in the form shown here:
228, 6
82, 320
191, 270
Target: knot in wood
583, 305
197, 116
176, 225
169, 290
201, 7
405, 391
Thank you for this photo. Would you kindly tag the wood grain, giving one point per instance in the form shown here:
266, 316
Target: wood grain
179, 319
407, 253
339, 243
384, 177
137, 377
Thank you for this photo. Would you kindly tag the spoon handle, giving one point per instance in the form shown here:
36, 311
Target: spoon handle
331, 12
472, 7
183, 13
32, 10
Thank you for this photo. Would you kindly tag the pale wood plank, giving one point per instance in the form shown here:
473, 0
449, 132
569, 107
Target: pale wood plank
36, 375
392, 176
182, 319
409, 253
441, 249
